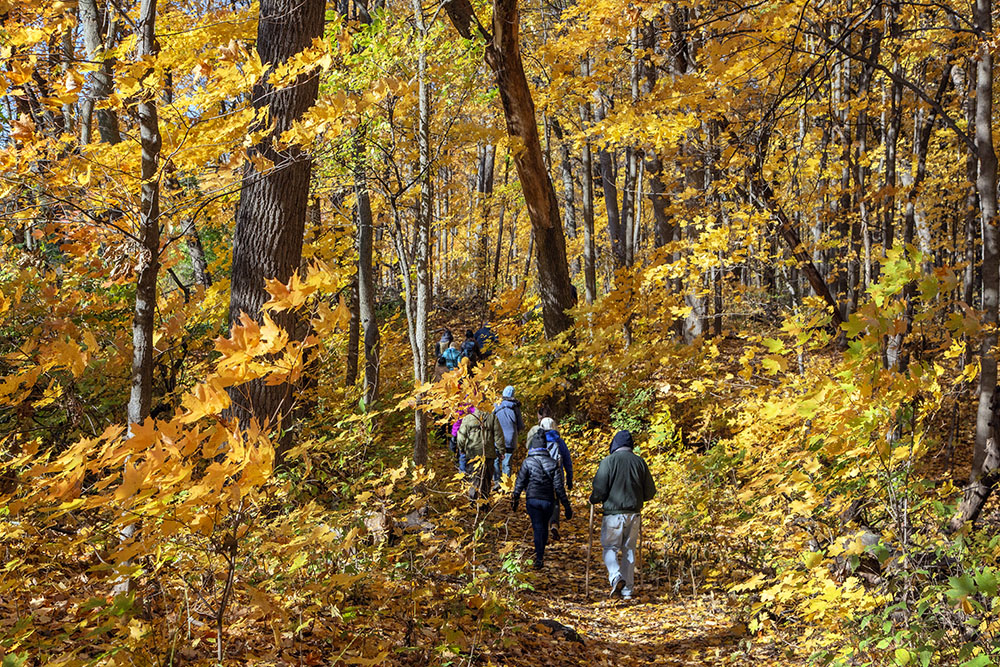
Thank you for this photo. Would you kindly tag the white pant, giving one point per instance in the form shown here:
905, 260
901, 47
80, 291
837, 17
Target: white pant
619, 534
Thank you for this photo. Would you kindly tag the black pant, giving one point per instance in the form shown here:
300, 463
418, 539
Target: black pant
540, 512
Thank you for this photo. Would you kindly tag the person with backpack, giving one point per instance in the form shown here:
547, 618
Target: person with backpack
541, 480
453, 440
560, 454
508, 414
444, 343
470, 348
485, 339
622, 483
479, 436
541, 413
452, 355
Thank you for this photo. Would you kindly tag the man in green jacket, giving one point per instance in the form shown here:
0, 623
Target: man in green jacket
480, 436
623, 483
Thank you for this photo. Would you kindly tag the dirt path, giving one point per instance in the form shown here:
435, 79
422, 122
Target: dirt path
655, 628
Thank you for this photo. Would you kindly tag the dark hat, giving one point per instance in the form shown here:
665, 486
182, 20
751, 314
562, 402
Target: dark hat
621, 439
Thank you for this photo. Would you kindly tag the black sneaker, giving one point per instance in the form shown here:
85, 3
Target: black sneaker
538, 565
554, 534
616, 590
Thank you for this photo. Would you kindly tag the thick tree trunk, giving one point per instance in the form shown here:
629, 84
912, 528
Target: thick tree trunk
504, 58
271, 216
985, 455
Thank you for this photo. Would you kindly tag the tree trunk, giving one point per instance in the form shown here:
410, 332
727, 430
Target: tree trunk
504, 58
196, 252
271, 215
353, 337
366, 284
148, 265
422, 254
587, 194
985, 455
98, 38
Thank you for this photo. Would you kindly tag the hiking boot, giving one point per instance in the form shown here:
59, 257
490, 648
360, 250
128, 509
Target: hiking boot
538, 565
554, 534
616, 590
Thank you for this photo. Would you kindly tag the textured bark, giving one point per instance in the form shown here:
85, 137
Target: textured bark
985, 456
148, 265
422, 254
196, 252
99, 37
271, 215
504, 58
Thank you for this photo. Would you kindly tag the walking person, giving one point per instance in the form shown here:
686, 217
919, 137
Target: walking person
452, 355
444, 343
560, 454
622, 483
479, 437
508, 414
540, 479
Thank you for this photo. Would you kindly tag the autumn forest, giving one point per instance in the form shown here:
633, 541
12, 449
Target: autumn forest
242, 243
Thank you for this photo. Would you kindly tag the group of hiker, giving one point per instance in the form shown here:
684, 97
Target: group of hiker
485, 443
474, 347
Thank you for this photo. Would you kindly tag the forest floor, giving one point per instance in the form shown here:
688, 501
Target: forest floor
657, 627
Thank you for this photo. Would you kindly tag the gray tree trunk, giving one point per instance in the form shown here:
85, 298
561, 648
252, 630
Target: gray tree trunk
985, 455
98, 38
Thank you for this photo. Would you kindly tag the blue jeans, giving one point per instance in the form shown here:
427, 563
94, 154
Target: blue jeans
540, 512
502, 465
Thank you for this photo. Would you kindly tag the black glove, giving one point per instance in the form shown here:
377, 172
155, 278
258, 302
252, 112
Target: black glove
569, 511
513, 503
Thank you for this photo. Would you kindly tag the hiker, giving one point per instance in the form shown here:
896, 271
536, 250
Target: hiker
623, 483
541, 480
453, 441
560, 454
470, 348
485, 339
479, 436
508, 414
444, 343
542, 412
452, 355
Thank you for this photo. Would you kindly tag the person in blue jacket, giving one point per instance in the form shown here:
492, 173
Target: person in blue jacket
508, 413
560, 452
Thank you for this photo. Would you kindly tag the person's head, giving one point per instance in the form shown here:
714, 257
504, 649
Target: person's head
543, 412
508, 392
446, 335
456, 345
441, 361
622, 439
548, 424
469, 334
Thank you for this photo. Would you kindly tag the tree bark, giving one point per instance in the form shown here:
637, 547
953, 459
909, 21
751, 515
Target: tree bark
353, 337
587, 194
504, 58
985, 455
98, 38
271, 215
